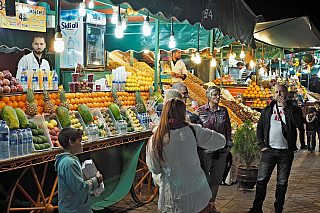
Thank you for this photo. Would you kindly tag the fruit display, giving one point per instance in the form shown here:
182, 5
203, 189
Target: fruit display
254, 91
133, 119
195, 79
130, 125
195, 88
100, 122
9, 84
77, 122
40, 133
23, 120
110, 121
115, 111
141, 81
48, 106
115, 97
85, 113
63, 99
225, 79
54, 128
9, 115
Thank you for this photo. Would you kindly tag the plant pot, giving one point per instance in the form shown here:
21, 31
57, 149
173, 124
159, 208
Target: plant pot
247, 178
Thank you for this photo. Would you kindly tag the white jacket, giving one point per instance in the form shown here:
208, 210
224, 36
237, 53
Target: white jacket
183, 187
180, 68
29, 62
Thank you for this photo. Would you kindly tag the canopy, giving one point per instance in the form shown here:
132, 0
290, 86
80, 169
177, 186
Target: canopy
288, 33
232, 17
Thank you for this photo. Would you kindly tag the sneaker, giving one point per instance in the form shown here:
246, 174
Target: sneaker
253, 210
212, 208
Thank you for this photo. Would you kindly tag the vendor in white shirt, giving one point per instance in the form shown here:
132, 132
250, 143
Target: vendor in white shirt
34, 60
178, 67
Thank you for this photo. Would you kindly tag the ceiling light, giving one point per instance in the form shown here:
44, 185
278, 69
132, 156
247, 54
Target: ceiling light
82, 9
193, 57
114, 15
146, 26
198, 58
91, 4
213, 62
251, 63
172, 41
146, 51
119, 29
242, 55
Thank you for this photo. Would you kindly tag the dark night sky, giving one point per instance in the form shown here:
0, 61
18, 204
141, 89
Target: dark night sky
280, 9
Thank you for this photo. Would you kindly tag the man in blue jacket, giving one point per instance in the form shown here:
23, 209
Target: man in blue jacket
277, 136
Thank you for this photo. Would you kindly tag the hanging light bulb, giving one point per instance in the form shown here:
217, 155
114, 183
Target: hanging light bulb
232, 55
146, 26
213, 62
251, 63
242, 55
193, 57
172, 41
124, 24
91, 4
82, 9
119, 29
114, 15
261, 70
58, 44
198, 58
146, 51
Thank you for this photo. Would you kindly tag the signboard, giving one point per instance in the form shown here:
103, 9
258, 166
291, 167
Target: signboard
71, 24
94, 17
34, 20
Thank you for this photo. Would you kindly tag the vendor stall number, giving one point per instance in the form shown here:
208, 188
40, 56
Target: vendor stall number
2, 5
207, 13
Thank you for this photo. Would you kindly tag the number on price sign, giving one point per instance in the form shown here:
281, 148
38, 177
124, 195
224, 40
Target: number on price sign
2, 5
207, 13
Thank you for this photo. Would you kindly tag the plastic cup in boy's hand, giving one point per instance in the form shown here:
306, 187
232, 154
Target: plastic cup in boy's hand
99, 177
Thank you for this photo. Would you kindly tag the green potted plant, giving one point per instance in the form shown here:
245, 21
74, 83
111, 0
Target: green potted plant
246, 146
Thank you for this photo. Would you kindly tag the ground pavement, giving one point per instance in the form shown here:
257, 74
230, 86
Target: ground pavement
303, 193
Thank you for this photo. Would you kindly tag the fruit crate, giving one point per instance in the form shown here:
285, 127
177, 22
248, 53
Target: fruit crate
48, 117
110, 124
96, 112
144, 119
84, 128
40, 122
135, 125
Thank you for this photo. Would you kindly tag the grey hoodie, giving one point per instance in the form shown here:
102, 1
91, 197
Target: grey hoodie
73, 190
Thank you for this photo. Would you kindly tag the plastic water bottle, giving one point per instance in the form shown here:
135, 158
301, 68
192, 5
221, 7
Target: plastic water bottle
30, 140
96, 131
4, 141
20, 144
25, 142
35, 80
45, 84
24, 80
55, 80
13, 144
70, 48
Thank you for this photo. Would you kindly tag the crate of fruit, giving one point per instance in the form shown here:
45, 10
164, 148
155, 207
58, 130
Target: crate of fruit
77, 122
113, 127
128, 117
54, 127
41, 137
139, 119
100, 122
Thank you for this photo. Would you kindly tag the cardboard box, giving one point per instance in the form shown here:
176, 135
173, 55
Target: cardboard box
89, 171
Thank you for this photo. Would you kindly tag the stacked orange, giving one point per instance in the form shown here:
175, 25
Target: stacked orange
259, 103
14, 101
254, 91
38, 99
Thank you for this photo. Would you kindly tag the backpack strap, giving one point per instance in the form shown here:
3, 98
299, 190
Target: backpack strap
194, 132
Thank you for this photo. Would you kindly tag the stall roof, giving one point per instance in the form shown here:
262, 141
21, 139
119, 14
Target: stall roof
288, 33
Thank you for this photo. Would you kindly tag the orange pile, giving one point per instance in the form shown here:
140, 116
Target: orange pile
14, 101
254, 91
259, 103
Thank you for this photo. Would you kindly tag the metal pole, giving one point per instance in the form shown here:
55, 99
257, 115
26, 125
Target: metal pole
221, 70
57, 55
212, 73
156, 52
131, 57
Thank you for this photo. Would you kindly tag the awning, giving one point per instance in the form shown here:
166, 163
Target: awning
232, 17
288, 33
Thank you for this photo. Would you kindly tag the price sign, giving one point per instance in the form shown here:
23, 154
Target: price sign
33, 20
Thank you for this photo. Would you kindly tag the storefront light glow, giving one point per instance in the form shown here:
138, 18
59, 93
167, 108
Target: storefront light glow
242, 55
172, 42
261, 70
82, 9
198, 58
251, 63
91, 4
146, 51
58, 43
119, 29
114, 16
23, 9
124, 24
31, 2
146, 26
193, 57
213, 62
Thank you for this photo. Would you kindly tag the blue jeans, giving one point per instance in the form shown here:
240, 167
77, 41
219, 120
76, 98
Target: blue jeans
311, 140
269, 159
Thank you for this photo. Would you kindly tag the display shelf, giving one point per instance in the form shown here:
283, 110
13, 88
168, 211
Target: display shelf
24, 93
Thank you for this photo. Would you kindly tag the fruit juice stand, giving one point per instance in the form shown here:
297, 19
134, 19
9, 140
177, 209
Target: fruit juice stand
29, 182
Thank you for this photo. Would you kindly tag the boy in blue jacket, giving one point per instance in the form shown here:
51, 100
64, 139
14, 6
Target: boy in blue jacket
73, 190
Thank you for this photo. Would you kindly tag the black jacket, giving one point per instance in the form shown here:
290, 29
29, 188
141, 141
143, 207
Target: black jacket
294, 119
311, 126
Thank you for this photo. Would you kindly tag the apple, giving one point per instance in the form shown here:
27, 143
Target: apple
6, 89
6, 82
1, 89
8, 75
1, 83
1, 75
13, 88
13, 81
19, 88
